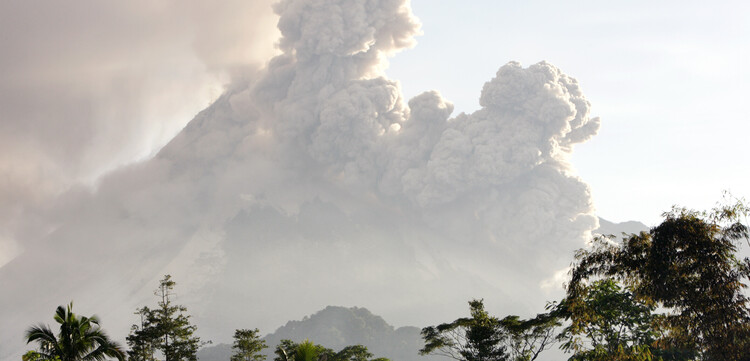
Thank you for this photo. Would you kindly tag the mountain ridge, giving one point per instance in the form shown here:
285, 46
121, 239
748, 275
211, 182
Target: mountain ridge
336, 327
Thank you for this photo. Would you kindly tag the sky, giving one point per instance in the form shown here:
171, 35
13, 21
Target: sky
668, 79
468, 147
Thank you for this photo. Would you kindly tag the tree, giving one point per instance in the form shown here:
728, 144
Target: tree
285, 350
354, 353
248, 346
288, 350
142, 340
528, 338
607, 323
166, 329
688, 266
34, 356
79, 339
478, 338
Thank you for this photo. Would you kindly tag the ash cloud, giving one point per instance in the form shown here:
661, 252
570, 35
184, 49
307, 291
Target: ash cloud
312, 182
86, 87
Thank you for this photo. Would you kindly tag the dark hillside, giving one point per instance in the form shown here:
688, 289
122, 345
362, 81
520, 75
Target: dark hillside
337, 327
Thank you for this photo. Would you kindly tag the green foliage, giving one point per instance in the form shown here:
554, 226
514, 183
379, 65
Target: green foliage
528, 338
688, 266
142, 340
620, 353
478, 338
353, 353
166, 329
284, 350
33, 356
36, 356
79, 339
248, 346
606, 320
483, 337
308, 351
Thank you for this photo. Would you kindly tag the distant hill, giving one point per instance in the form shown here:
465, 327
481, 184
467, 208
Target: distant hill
218, 352
337, 327
606, 227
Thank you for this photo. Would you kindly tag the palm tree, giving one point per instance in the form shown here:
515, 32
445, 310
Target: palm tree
80, 339
305, 351
308, 351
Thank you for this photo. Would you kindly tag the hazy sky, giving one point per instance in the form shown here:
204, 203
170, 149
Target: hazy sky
89, 86
302, 164
669, 80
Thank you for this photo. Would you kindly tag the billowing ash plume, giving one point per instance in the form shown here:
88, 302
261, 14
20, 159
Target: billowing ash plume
86, 87
315, 183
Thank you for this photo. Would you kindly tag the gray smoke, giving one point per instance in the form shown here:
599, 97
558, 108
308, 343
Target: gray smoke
88, 86
312, 182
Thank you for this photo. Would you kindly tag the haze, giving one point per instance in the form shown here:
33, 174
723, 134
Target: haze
306, 178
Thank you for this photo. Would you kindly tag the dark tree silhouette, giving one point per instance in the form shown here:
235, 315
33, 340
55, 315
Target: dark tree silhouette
166, 329
79, 339
476, 338
687, 265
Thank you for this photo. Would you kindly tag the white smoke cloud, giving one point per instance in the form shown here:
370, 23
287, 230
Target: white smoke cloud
312, 182
88, 86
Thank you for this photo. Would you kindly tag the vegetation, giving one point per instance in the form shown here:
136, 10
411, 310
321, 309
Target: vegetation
165, 329
607, 322
476, 338
248, 346
308, 351
528, 338
687, 266
485, 338
674, 293
339, 327
79, 339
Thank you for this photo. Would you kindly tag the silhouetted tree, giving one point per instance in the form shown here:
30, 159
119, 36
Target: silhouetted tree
79, 339
166, 329
607, 323
248, 346
476, 338
527, 339
142, 340
308, 351
687, 265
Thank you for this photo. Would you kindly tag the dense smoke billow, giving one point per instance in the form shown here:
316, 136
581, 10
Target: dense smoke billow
312, 182
88, 86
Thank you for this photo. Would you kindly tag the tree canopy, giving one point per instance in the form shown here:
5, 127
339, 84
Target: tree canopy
606, 322
288, 350
166, 329
688, 266
79, 339
676, 292
248, 346
476, 338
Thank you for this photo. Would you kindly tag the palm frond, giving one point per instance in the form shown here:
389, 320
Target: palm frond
79, 339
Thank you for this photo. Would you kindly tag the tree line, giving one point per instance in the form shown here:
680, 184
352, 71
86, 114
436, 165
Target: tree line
164, 333
674, 293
